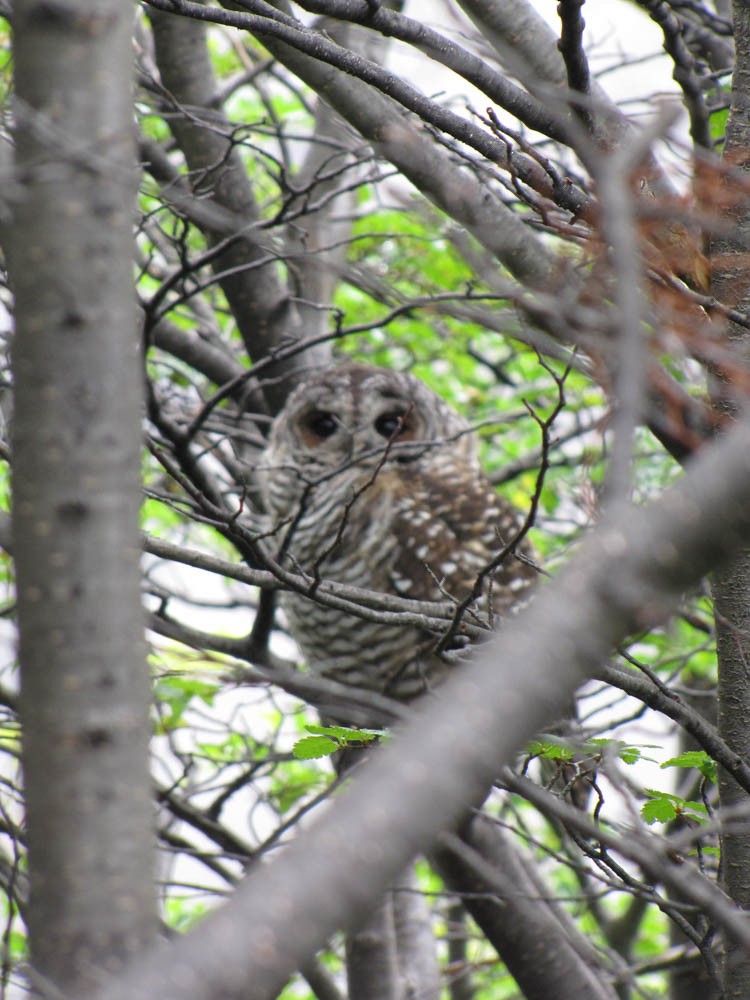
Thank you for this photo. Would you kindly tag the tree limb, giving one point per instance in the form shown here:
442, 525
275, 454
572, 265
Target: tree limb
421, 782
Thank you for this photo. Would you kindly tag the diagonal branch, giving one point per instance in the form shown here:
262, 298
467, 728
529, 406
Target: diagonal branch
627, 575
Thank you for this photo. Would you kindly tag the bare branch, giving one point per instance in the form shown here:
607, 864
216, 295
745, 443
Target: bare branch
328, 874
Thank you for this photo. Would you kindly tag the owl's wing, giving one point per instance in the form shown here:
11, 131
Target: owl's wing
451, 527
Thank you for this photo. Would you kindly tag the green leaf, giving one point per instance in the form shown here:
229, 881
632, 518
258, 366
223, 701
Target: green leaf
629, 755
325, 740
310, 747
697, 759
345, 735
549, 750
663, 807
659, 810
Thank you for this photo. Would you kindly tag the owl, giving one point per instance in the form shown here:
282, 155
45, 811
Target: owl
372, 480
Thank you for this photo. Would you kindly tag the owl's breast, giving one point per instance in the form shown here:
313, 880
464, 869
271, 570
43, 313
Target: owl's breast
346, 533
358, 547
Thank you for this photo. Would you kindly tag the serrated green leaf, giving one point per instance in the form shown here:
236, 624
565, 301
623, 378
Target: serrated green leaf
549, 750
697, 759
659, 810
671, 806
345, 735
310, 747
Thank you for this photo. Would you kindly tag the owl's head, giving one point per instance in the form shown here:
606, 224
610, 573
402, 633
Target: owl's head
350, 420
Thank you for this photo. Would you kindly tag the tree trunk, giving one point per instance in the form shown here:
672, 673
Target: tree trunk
419, 968
85, 691
487, 875
732, 609
731, 586
371, 966
693, 980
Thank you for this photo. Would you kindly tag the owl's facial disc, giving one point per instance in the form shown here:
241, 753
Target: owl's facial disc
340, 431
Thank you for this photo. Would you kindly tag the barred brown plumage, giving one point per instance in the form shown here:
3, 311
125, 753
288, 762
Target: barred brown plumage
374, 481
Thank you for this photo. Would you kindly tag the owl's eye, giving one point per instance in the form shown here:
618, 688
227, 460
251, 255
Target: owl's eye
322, 424
389, 425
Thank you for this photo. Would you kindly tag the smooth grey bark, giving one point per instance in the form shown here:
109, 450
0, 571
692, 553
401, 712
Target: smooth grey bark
525, 931
371, 957
76, 484
692, 980
731, 589
419, 969
731, 585
321, 981
625, 577
460, 984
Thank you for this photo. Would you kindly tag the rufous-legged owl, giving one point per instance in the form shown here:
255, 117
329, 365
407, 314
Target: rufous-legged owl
372, 480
